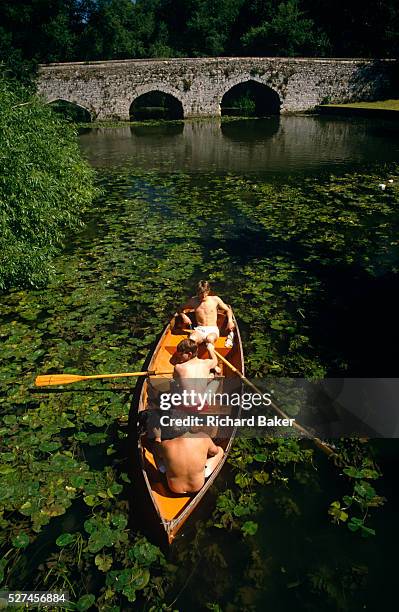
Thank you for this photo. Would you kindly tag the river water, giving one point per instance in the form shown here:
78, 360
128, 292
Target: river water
276, 145
207, 172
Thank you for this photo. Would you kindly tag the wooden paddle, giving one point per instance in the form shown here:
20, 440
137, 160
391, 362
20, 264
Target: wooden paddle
319, 443
67, 379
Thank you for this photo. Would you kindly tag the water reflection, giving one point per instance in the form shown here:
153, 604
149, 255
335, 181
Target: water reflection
157, 131
272, 145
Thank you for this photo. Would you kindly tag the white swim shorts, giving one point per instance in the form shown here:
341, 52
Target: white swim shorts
205, 330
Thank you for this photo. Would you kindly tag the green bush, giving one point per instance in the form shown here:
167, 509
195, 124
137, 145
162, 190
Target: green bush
44, 186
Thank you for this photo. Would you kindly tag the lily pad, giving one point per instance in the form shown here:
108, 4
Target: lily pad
85, 602
21, 540
65, 539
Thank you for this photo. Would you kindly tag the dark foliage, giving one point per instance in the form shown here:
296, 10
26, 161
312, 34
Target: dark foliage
34, 31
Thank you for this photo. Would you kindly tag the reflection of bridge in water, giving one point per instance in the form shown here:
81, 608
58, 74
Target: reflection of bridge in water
276, 144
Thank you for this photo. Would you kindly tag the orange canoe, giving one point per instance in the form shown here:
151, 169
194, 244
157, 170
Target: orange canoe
163, 513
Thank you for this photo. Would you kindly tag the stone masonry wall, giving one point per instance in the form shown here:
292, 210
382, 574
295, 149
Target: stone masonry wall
107, 89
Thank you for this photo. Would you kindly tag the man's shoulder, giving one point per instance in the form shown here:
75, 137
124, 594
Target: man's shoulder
181, 368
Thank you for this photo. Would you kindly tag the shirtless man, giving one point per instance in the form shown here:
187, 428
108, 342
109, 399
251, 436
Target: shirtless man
193, 374
206, 310
186, 458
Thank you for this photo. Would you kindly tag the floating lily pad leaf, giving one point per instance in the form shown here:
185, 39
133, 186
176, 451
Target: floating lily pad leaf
81, 436
103, 562
337, 513
140, 578
96, 438
249, 528
262, 477
353, 472
64, 539
26, 508
116, 488
91, 525
85, 602
365, 490
95, 419
261, 457
241, 510
243, 480
20, 541
49, 446
367, 531
119, 521
61, 462
277, 325
144, 553
10, 419
355, 524
78, 481
129, 592
101, 538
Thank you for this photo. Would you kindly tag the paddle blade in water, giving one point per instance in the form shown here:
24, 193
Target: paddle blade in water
57, 379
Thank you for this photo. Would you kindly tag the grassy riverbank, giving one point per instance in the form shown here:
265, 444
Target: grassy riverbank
379, 108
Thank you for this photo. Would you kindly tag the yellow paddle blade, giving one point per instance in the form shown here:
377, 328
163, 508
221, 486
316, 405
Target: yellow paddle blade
57, 379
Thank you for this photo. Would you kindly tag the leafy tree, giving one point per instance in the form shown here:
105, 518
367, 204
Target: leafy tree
210, 24
121, 29
44, 30
110, 30
286, 31
12, 62
33, 31
44, 185
357, 28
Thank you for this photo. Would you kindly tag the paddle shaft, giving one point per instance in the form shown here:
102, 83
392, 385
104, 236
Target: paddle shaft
322, 445
67, 379
124, 374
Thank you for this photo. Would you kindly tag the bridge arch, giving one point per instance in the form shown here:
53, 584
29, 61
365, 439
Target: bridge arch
71, 110
157, 94
257, 98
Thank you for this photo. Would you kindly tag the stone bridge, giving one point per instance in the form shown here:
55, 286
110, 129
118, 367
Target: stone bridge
108, 89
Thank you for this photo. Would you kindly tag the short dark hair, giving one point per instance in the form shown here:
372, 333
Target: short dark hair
203, 285
187, 346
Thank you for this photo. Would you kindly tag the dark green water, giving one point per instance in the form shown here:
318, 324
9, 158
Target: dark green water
286, 218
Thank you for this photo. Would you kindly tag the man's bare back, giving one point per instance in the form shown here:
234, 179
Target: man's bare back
188, 459
192, 373
196, 368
